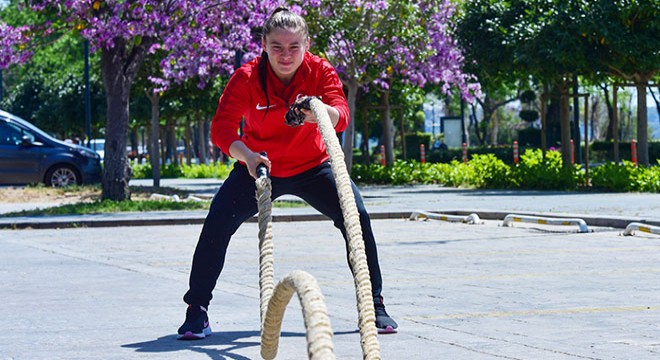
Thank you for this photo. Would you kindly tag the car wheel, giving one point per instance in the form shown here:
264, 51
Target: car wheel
62, 175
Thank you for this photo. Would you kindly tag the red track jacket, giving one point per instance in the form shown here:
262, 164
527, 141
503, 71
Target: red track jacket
290, 150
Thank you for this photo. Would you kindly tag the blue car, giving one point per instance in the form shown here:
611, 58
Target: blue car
29, 155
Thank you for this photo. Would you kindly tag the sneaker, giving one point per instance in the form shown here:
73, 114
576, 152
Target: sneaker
196, 325
384, 323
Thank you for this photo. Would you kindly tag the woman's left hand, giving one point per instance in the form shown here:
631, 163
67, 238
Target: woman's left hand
309, 116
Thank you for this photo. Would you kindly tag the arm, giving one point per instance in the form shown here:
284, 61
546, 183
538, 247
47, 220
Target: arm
224, 127
331, 91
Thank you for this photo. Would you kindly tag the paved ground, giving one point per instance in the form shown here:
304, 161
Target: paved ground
458, 291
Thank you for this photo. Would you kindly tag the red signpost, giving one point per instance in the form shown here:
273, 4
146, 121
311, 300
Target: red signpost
422, 153
515, 152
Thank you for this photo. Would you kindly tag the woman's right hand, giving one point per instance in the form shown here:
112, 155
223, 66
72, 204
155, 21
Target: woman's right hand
254, 160
239, 151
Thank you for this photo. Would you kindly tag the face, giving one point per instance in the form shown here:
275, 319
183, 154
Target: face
286, 50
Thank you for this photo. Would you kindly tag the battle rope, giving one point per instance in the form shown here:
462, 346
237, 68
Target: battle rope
273, 300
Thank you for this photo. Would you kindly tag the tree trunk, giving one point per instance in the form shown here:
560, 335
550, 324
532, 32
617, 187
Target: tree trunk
642, 124
481, 130
187, 139
135, 150
388, 129
610, 113
171, 141
201, 143
595, 133
154, 148
116, 171
119, 65
347, 145
494, 128
565, 127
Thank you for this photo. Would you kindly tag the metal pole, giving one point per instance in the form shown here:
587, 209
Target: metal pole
576, 120
615, 125
543, 126
586, 139
88, 101
464, 137
0, 84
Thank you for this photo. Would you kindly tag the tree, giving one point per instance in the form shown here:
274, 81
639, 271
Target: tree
48, 91
196, 35
624, 38
531, 39
490, 56
375, 42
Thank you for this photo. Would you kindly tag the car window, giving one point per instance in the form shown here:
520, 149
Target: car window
13, 135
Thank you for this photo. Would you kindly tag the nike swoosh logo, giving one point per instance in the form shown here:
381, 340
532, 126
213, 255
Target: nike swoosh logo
259, 107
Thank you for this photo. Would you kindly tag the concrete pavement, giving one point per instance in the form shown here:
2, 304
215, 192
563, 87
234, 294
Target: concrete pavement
458, 291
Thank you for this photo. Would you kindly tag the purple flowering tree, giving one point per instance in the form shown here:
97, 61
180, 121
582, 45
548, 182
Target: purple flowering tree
374, 42
12, 45
195, 39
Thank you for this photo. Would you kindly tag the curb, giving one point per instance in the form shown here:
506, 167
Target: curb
193, 218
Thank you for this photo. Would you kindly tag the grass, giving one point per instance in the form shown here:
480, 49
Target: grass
86, 200
110, 206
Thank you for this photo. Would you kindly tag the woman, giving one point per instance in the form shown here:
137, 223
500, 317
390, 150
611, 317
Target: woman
261, 91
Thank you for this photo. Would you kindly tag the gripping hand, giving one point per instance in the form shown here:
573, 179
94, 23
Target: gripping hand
294, 117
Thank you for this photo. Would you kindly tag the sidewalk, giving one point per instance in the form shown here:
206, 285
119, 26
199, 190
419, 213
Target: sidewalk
386, 202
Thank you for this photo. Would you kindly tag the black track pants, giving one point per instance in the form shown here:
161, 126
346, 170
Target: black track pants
235, 202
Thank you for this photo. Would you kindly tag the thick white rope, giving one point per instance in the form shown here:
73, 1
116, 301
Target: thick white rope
274, 299
315, 316
356, 251
266, 269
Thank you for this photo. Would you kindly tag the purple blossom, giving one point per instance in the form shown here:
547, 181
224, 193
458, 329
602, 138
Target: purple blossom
12, 45
200, 39
370, 49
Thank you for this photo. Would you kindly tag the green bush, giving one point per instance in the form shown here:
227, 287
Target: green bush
403, 172
490, 172
215, 170
460, 174
141, 171
614, 177
649, 180
626, 177
545, 173
534, 172
370, 174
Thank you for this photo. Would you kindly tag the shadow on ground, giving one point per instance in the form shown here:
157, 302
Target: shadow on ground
230, 341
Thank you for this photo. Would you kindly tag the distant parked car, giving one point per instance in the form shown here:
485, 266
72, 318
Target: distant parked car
29, 155
98, 145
